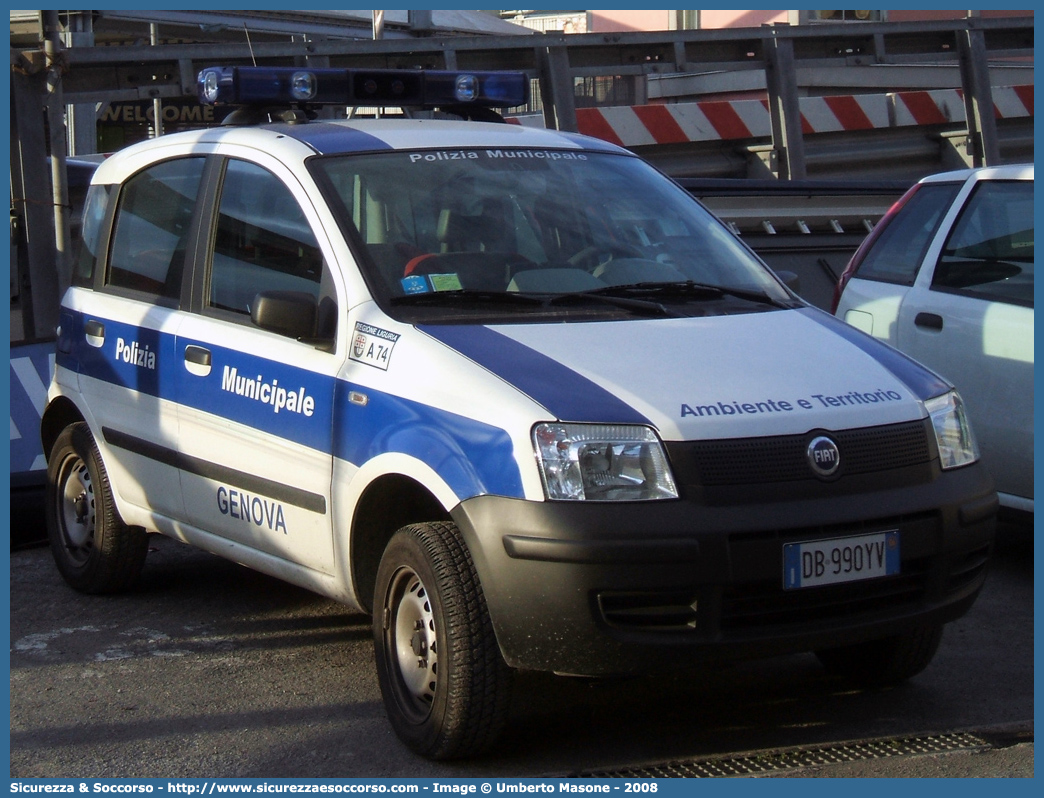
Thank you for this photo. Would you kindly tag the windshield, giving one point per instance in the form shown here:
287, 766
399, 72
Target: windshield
499, 231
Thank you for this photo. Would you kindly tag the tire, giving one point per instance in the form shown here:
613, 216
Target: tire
94, 550
884, 663
445, 686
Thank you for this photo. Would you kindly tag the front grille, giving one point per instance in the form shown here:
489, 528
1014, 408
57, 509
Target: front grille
879, 448
752, 461
767, 604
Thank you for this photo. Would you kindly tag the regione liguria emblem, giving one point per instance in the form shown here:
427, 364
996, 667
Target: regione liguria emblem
373, 345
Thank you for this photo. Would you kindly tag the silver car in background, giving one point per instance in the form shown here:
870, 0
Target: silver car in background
947, 277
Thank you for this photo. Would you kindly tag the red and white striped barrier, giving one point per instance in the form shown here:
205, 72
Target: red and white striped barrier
675, 123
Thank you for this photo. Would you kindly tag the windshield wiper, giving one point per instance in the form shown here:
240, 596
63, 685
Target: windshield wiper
636, 297
531, 300
466, 294
688, 289
599, 295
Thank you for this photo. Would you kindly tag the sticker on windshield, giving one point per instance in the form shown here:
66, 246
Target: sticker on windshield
415, 284
445, 282
373, 346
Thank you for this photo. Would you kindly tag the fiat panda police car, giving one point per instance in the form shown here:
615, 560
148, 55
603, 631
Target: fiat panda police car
511, 391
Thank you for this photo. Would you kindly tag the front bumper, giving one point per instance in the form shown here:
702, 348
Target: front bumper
603, 588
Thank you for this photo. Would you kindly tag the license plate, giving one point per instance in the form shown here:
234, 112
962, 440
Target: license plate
848, 559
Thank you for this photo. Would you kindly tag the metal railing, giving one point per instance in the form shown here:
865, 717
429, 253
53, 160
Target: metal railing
571, 71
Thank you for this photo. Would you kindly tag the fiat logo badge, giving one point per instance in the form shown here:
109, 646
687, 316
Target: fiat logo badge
823, 456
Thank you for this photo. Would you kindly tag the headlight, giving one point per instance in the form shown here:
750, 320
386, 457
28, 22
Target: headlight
602, 462
952, 431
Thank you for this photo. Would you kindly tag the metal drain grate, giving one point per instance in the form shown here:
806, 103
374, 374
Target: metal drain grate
791, 760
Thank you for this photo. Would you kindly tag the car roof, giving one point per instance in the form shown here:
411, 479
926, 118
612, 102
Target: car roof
382, 134
352, 136
1007, 172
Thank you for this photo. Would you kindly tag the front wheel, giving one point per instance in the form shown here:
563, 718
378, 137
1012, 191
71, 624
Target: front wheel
887, 662
445, 685
94, 550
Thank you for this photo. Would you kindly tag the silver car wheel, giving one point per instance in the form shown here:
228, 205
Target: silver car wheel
76, 512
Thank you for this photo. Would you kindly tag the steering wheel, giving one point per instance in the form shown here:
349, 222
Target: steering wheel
594, 255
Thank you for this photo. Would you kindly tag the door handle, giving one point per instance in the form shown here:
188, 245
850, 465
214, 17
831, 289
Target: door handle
94, 331
197, 361
929, 321
197, 355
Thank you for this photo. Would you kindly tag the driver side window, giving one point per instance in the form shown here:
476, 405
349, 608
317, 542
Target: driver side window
264, 245
989, 254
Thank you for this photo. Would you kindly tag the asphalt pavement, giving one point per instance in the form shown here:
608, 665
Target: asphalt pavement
210, 670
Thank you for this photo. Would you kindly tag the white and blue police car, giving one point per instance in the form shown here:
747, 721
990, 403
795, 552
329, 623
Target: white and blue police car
511, 391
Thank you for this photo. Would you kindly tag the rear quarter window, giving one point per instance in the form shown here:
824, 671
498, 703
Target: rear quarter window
94, 212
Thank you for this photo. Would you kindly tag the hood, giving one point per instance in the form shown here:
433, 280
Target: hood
775, 373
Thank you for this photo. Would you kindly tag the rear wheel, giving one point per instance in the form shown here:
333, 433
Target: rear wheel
882, 663
94, 550
445, 685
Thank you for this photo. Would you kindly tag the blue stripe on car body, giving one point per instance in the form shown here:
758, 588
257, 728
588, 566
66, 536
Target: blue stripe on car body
326, 138
472, 457
235, 387
923, 383
75, 354
566, 394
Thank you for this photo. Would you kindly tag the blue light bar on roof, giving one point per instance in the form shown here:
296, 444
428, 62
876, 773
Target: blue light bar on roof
268, 86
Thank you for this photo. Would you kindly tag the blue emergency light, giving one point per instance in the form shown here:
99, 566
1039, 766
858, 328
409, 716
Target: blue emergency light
269, 86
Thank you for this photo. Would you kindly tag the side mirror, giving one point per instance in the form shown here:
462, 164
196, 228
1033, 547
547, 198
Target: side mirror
289, 313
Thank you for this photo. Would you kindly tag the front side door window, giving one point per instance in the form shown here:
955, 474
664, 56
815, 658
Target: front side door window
989, 253
265, 248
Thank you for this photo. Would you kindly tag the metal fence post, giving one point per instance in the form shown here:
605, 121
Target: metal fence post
59, 144
978, 95
556, 89
784, 112
31, 199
